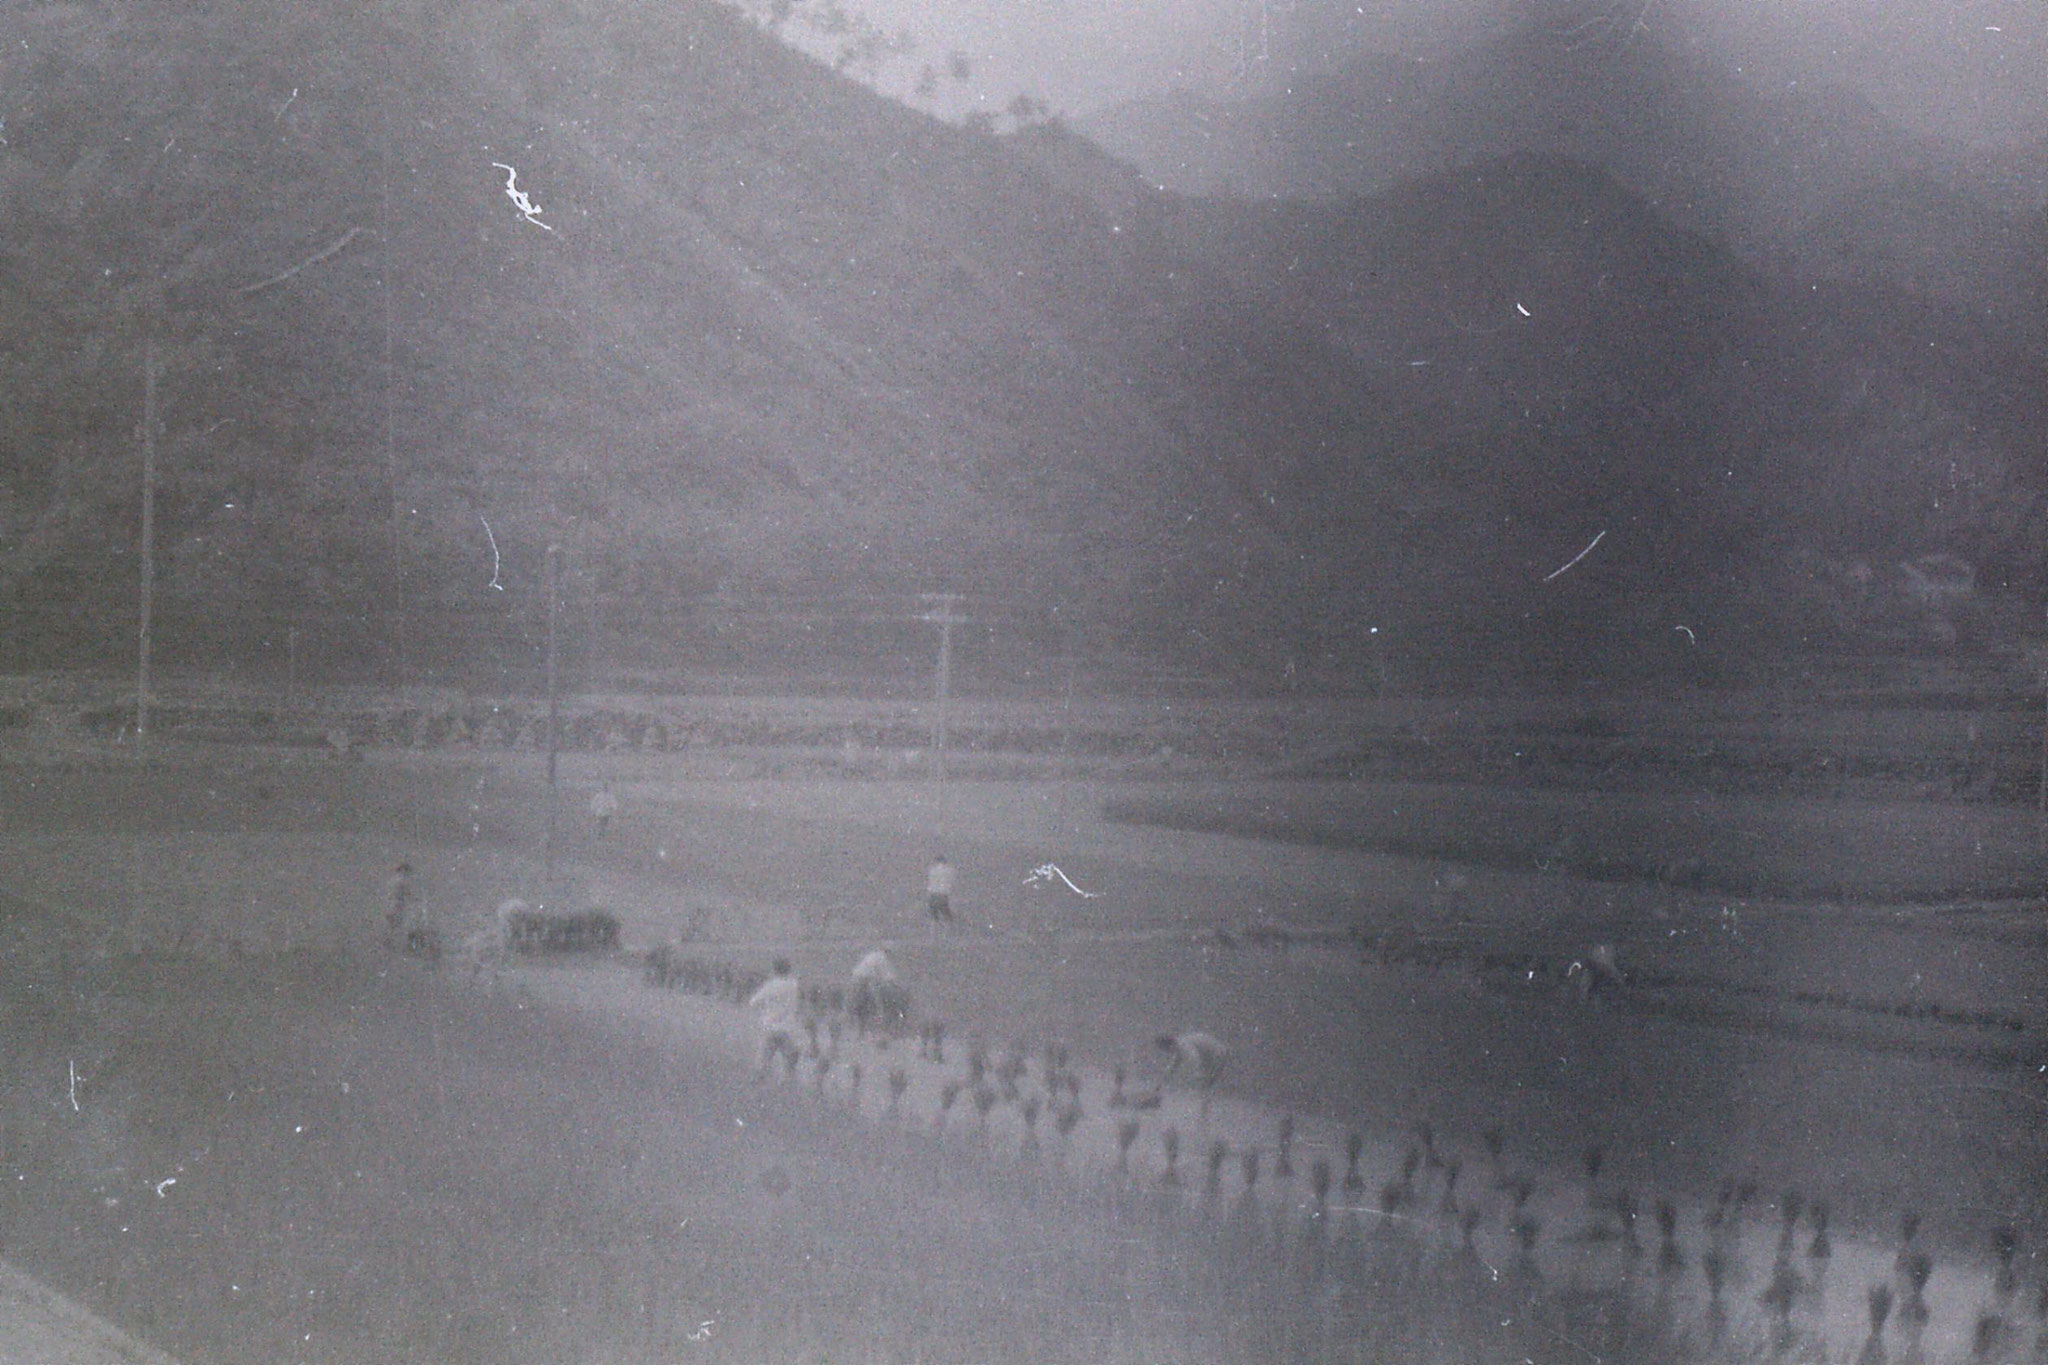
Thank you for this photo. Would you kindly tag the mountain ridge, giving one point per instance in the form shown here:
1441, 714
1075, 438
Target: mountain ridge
1771, 175
765, 335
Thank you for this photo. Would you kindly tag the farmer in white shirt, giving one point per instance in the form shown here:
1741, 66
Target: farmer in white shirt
1598, 971
779, 1007
878, 998
511, 915
1198, 1057
603, 806
402, 901
938, 887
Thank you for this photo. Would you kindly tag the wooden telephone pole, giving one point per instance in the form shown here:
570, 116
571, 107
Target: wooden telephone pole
2043, 795
943, 610
554, 708
148, 541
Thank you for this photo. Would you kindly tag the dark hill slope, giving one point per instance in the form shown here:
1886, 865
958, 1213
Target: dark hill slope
777, 335
781, 339
1589, 369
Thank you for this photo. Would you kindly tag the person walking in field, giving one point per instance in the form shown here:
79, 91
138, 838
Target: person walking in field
878, 998
778, 1005
1597, 973
407, 928
508, 921
1196, 1057
603, 806
401, 900
938, 888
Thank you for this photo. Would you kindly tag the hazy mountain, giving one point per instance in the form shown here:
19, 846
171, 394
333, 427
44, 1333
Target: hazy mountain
1584, 365
777, 333
763, 335
1806, 180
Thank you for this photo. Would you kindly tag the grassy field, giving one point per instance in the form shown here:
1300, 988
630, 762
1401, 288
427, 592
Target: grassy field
239, 895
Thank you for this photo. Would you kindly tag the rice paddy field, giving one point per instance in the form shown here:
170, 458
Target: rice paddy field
242, 1131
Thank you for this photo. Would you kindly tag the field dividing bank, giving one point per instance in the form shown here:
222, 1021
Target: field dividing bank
39, 1326
1891, 853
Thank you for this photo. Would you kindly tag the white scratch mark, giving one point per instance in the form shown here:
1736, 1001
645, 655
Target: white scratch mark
73, 1065
495, 561
528, 210
703, 1332
1523, 311
162, 1185
1575, 558
286, 105
1051, 872
1688, 633
313, 259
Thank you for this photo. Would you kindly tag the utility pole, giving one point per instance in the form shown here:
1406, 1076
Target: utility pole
943, 605
2044, 750
1067, 717
554, 707
148, 540
1063, 773
136, 860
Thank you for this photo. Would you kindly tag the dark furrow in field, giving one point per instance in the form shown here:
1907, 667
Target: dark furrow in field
1768, 850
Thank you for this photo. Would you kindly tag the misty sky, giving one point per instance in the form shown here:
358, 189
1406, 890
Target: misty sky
1976, 69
